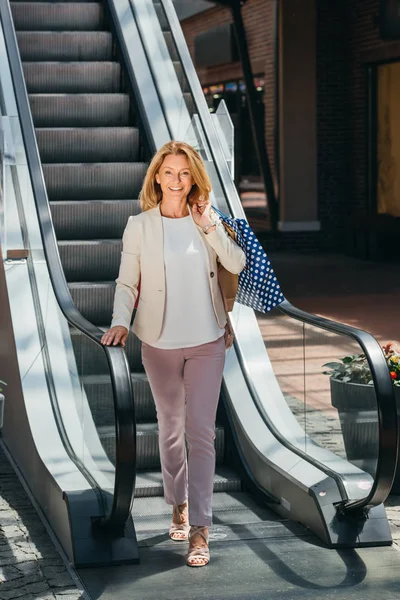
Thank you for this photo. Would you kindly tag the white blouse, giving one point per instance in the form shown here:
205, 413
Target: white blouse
189, 318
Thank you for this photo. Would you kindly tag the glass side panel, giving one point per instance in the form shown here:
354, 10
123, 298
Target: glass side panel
341, 405
225, 129
73, 366
284, 341
327, 407
194, 136
95, 405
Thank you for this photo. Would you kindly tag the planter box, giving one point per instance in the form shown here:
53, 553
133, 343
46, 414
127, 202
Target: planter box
358, 414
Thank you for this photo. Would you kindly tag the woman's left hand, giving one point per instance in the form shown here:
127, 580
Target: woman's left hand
201, 213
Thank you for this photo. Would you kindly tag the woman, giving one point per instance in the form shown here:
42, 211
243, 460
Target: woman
172, 249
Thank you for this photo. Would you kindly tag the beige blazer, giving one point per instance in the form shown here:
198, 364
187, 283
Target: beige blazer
142, 258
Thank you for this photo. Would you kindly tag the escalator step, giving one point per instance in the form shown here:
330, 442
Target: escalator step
94, 300
107, 218
100, 397
65, 46
90, 260
90, 357
148, 455
94, 181
88, 145
60, 16
79, 110
72, 77
149, 484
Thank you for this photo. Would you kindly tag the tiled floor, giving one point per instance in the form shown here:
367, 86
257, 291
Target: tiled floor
30, 566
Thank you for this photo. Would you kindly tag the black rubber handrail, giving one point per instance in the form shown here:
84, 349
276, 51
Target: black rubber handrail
387, 412
125, 424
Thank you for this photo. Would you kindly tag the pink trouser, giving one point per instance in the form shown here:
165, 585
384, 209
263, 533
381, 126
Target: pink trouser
186, 384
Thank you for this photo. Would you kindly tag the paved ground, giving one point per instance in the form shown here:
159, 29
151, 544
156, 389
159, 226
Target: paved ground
30, 566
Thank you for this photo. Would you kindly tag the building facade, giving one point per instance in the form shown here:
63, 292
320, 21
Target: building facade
336, 150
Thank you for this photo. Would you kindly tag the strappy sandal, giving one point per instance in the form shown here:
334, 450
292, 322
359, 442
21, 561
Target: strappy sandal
198, 551
178, 532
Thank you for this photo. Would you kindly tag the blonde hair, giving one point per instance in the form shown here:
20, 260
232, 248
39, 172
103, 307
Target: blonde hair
151, 193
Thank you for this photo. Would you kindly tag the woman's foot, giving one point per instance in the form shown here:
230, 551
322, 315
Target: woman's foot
180, 527
199, 554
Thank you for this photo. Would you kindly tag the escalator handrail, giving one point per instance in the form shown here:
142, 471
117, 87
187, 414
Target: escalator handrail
386, 403
387, 412
125, 424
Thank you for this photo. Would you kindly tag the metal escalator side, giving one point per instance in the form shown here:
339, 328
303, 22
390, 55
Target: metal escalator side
327, 490
49, 430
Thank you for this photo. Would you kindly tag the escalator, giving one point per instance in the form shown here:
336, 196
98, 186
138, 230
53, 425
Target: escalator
107, 83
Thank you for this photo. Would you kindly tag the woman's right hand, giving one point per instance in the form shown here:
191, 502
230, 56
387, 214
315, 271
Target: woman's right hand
114, 336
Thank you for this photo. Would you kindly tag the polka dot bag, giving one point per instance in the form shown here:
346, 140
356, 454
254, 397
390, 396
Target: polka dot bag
258, 286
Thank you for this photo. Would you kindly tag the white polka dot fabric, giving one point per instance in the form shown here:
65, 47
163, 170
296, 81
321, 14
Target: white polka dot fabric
258, 286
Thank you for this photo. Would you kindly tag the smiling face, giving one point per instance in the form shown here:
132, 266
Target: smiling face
175, 177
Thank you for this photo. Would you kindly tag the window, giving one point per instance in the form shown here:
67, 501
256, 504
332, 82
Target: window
388, 139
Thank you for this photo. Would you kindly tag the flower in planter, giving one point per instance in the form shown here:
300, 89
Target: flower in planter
354, 367
393, 361
2, 383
